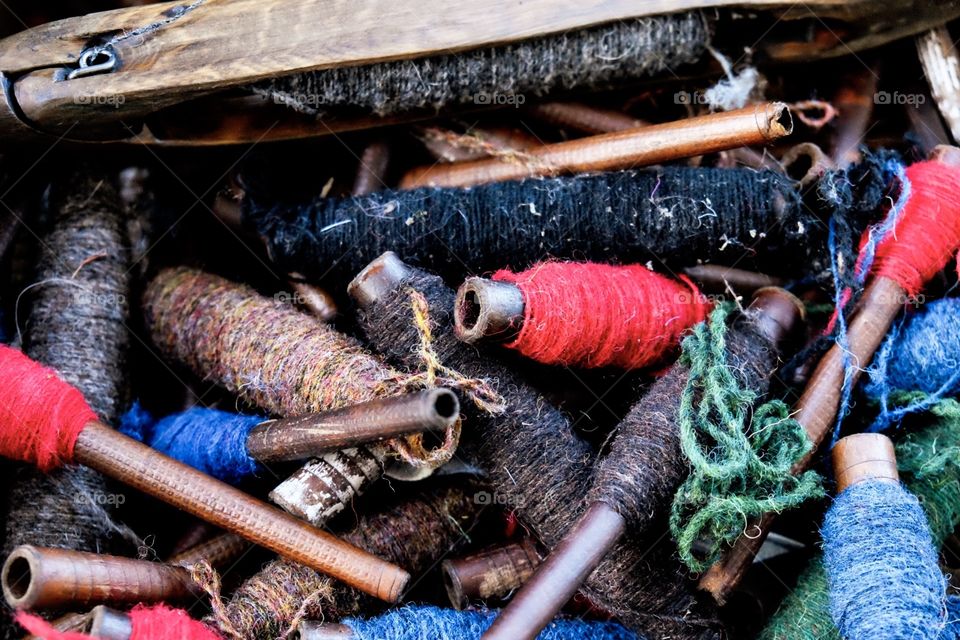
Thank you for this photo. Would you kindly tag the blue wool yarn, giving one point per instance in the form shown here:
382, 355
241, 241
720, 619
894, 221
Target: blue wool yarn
894, 169
434, 623
882, 565
921, 355
209, 440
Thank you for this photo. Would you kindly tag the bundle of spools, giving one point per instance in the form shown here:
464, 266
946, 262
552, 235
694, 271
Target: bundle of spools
530, 453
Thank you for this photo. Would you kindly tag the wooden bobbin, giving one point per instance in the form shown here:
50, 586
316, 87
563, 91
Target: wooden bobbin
109, 624
307, 436
642, 146
864, 456
133, 463
493, 573
487, 310
43, 578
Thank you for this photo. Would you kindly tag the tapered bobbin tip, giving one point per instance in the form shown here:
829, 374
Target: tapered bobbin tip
17, 577
377, 279
864, 456
487, 310
780, 313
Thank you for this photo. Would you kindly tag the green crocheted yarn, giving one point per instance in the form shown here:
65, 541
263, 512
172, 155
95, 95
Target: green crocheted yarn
929, 463
740, 457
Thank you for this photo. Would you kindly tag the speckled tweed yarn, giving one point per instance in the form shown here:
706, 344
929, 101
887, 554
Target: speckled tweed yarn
78, 313
413, 532
594, 57
273, 356
541, 468
674, 215
929, 463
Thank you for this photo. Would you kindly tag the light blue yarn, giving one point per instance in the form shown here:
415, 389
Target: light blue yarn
434, 623
882, 566
876, 234
921, 355
208, 440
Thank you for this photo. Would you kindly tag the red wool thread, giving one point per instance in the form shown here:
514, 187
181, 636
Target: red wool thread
41, 416
928, 231
598, 315
147, 623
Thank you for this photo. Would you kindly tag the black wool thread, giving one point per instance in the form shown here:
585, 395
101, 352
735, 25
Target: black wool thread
646, 464
542, 470
594, 58
76, 326
674, 214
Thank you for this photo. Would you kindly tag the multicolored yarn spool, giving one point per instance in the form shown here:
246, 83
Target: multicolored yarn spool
413, 532
598, 315
77, 326
287, 362
158, 622
595, 57
423, 622
210, 440
536, 463
881, 565
929, 463
753, 218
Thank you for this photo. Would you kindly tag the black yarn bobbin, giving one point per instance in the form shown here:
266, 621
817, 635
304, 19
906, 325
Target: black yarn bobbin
76, 326
646, 464
593, 58
676, 215
542, 470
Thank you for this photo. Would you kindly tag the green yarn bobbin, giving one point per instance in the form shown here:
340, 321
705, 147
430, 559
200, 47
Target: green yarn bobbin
740, 458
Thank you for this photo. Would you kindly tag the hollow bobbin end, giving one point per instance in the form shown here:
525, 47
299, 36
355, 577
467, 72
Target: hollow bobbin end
487, 309
377, 279
17, 577
779, 313
864, 456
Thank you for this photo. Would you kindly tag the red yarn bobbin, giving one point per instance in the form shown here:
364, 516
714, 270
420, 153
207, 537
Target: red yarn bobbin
159, 622
598, 315
928, 231
41, 416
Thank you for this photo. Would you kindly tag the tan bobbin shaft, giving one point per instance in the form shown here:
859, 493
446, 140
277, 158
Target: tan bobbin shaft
864, 456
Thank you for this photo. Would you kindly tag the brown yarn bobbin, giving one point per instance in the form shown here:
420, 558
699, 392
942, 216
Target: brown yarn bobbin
412, 532
287, 362
79, 306
530, 453
864, 456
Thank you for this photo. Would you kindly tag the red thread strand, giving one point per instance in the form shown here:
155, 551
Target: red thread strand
928, 232
598, 315
44, 630
163, 623
40, 414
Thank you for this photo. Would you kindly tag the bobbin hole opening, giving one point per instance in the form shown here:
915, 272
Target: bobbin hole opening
451, 582
17, 578
446, 405
469, 309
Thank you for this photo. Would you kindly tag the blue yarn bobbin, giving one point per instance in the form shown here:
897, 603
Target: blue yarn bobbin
208, 440
882, 567
434, 623
921, 356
